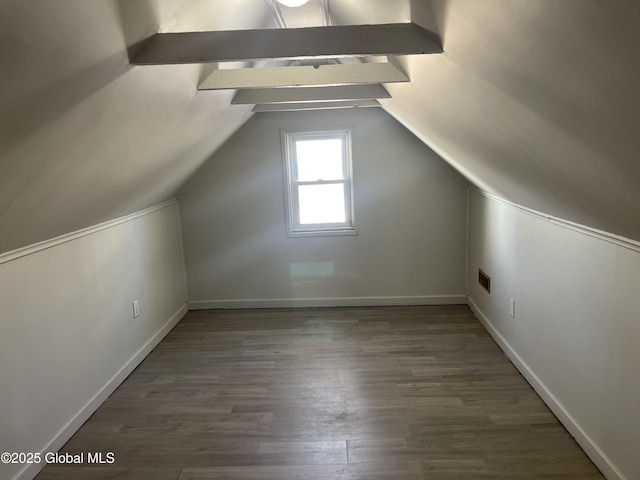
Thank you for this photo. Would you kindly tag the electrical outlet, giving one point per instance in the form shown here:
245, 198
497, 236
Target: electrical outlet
512, 308
136, 309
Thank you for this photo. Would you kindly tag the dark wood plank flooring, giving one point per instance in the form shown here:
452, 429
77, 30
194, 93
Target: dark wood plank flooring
395, 393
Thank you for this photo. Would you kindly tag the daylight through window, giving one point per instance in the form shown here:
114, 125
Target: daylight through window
319, 187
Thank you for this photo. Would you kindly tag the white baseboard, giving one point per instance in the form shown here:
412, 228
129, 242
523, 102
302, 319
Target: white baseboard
57, 442
594, 452
328, 302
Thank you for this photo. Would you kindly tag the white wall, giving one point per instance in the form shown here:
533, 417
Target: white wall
67, 333
576, 331
410, 213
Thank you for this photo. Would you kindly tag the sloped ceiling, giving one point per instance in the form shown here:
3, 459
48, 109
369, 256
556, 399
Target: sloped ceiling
85, 137
536, 101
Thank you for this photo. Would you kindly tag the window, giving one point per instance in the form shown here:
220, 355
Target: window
319, 187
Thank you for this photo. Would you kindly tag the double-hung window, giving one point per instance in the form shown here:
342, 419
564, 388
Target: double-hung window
319, 187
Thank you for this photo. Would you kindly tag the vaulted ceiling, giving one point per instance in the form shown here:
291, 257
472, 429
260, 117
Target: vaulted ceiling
535, 101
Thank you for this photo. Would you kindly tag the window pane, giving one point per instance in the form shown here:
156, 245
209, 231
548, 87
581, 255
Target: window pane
321, 204
319, 159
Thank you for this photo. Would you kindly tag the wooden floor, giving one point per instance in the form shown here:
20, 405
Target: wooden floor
396, 393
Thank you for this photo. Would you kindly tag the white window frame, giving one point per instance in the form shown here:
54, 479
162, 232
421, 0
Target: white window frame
294, 227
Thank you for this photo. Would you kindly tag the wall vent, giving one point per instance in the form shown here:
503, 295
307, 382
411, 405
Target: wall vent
484, 280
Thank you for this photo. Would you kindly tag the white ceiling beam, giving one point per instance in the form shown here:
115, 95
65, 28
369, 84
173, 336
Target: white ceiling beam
304, 76
292, 107
310, 94
315, 42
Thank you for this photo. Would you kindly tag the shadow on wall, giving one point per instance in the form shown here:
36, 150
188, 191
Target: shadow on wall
575, 69
138, 20
19, 122
52, 100
439, 10
555, 88
55, 99
28, 111
424, 14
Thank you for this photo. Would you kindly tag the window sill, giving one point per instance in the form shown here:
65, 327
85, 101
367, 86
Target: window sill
321, 233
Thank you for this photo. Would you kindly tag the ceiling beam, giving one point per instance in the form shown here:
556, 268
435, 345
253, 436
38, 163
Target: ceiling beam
305, 76
292, 107
311, 94
305, 43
